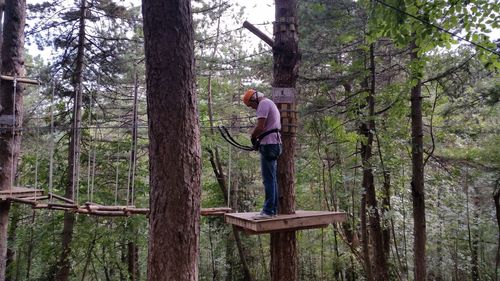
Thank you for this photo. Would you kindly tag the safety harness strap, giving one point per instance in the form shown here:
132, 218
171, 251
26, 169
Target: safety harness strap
261, 136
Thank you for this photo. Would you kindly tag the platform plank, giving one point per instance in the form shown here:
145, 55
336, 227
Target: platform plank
20, 192
298, 221
220, 211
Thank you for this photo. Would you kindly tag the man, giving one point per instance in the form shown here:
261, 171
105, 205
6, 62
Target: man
266, 137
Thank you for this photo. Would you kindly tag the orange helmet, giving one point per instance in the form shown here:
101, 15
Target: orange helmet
248, 96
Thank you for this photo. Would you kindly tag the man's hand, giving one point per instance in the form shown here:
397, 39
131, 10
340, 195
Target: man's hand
255, 144
259, 128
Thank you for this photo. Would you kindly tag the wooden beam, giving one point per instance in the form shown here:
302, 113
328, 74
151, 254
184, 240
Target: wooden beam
21, 200
20, 192
37, 198
64, 199
94, 207
69, 206
258, 33
215, 211
20, 80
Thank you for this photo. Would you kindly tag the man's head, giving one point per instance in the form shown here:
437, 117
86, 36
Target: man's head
251, 98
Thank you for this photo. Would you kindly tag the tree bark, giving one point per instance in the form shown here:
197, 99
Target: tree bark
386, 207
284, 257
132, 248
11, 103
11, 250
29, 255
417, 181
365, 246
132, 261
64, 263
496, 199
174, 141
367, 129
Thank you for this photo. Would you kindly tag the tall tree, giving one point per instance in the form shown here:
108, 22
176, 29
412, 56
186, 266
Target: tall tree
284, 259
367, 129
174, 147
11, 106
64, 264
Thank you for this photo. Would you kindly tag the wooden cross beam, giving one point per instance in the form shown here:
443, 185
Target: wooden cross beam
20, 79
258, 33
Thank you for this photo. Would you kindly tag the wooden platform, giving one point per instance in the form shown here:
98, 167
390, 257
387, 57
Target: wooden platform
20, 192
299, 220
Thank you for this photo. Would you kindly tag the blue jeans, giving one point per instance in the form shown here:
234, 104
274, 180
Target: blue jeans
269, 154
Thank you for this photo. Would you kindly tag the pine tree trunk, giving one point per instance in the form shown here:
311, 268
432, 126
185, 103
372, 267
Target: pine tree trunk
132, 248
133, 261
29, 255
386, 207
496, 199
417, 181
284, 257
11, 106
174, 141
64, 264
367, 129
11, 250
365, 246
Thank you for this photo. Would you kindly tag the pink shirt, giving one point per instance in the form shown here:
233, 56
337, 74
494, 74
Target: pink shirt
268, 110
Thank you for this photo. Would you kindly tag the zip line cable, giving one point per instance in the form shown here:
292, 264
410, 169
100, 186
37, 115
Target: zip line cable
438, 27
65, 128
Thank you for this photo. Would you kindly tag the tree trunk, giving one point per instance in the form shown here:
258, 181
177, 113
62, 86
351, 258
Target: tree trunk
11, 104
365, 240
386, 207
11, 250
174, 141
367, 129
29, 255
133, 261
496, 199
132, 248
284, 257
64, 264
417, 181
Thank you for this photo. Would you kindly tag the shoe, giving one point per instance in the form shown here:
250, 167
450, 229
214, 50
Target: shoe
262, 216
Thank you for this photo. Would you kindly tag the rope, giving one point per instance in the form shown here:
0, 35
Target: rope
226, 136
51, 145
133, 147
116, 178
89, 196
229, 179
12, 174
36, 164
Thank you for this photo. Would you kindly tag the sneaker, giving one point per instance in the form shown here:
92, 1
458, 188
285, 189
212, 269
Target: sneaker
262, 216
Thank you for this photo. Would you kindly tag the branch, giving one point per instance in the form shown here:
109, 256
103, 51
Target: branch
449, 71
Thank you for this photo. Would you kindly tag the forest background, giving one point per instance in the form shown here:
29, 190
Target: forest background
345, 45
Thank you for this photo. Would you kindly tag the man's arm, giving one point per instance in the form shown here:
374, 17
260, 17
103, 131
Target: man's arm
259, 128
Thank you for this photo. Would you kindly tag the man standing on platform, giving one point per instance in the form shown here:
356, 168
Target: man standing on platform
266, 138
